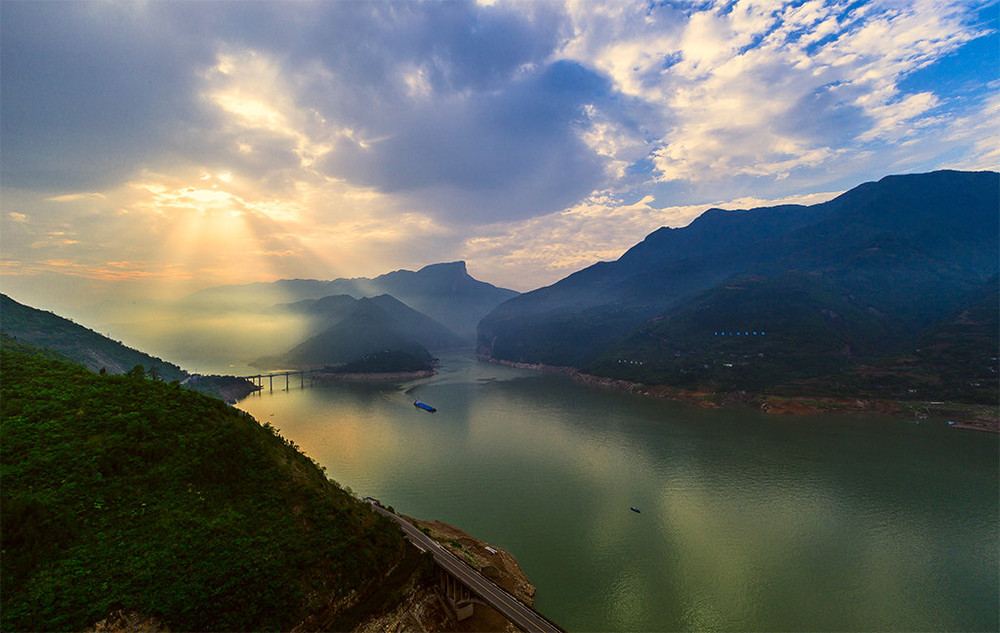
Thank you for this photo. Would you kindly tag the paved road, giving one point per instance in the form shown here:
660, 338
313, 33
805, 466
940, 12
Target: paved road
523, 616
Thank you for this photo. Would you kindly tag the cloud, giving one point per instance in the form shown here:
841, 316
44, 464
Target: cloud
769, 89
217, 141
91, 90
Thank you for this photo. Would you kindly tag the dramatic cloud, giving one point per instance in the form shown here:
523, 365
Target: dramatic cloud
179, 145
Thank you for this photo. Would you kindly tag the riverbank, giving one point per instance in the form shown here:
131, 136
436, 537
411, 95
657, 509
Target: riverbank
374, 377
960, 415
229, 389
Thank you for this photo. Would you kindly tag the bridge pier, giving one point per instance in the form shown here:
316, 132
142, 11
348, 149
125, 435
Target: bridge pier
258, 379
460, 599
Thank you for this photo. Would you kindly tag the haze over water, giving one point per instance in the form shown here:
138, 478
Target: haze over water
747, 522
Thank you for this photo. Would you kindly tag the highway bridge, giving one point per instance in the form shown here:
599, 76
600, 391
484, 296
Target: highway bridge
523, 616
258, 379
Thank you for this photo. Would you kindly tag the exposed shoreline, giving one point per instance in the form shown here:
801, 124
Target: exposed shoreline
398, 375
960, 415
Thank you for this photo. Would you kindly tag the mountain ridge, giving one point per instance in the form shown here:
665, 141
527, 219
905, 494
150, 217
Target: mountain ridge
443, 291
76, 342
933, 240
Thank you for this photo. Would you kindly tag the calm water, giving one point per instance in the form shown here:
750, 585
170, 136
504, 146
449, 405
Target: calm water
748, 521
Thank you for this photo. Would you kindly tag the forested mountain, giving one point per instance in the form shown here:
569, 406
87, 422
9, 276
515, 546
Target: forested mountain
78, 343
805, 291
956, 359
60, 338
127, 494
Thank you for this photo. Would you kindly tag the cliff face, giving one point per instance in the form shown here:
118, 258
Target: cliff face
423, 609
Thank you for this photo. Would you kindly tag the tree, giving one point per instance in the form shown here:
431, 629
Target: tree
136, 372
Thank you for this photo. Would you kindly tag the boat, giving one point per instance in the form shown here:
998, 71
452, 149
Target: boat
424, 406
635, 509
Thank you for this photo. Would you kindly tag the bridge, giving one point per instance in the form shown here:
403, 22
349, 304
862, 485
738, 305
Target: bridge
465, 586
258, 379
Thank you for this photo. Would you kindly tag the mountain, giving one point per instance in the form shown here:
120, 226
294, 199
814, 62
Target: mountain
39, 332
328, 311
445, 292
77, 343
955, 360
568, 323
360, 327
130, 496
832, 285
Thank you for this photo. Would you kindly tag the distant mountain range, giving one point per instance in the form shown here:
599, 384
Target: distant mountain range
321, 323
758, 298
444, 292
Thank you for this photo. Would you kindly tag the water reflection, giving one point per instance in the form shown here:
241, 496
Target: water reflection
747, 521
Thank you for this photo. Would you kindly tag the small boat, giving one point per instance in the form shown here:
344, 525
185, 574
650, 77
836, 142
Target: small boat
424, 406
635, 509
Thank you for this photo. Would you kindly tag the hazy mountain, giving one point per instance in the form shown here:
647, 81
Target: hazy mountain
860, 276
445, 292
256, 295
367, 326
402, 319
326, 308
77, 343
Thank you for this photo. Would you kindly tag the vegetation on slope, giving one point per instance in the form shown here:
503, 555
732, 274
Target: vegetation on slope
840, 288
802, 334
748, 334
121, 492
384, 362
78, 343
956, 360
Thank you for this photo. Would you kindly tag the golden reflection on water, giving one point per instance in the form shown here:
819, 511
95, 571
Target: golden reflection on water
747, 522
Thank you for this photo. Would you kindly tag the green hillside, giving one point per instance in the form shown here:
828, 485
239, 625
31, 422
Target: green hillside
126, 493
78, 343
836, 286
748, 334
955, 360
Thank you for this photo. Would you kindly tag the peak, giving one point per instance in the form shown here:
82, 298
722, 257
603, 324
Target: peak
458, 267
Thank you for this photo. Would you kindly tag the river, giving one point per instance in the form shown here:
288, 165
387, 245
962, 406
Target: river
746, 521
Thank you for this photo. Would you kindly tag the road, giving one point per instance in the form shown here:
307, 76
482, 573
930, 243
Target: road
523, 616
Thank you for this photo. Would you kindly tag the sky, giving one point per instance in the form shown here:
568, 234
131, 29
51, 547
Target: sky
148, 149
